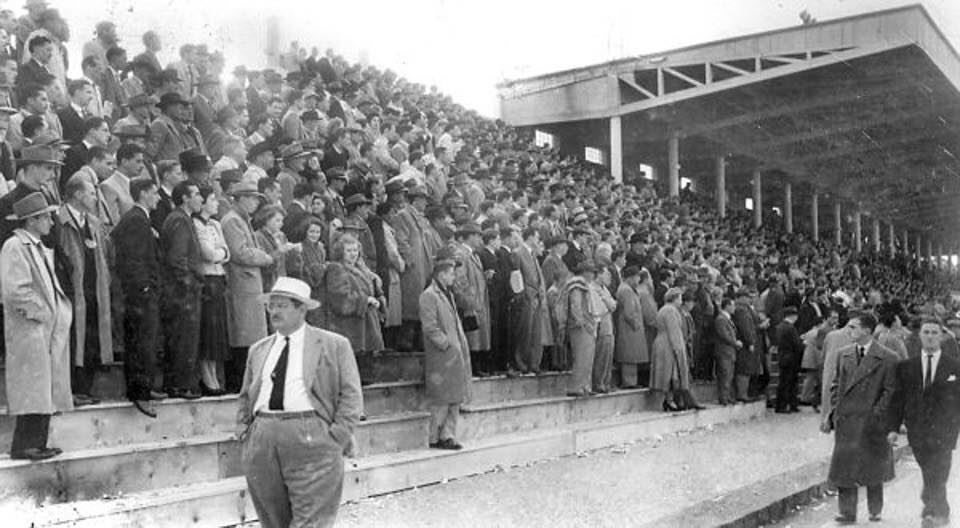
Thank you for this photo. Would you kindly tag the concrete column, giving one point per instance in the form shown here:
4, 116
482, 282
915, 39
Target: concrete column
788, 207
906, 243
721, 169
673, 163
616, 150
893, 240
857, 230
757, 198
876, 235
838, 223
815, 216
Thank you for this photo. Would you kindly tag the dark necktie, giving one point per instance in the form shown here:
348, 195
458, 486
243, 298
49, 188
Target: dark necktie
928, 377
279, 377
859, 354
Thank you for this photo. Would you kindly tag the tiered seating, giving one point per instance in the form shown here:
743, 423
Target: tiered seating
184, 469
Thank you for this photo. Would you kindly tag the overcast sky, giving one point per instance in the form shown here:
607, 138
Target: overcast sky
465, 48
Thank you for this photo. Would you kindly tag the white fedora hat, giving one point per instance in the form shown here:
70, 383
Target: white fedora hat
294, 289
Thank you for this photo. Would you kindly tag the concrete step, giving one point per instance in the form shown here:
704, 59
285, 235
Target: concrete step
132, 467
224, 502
389, 397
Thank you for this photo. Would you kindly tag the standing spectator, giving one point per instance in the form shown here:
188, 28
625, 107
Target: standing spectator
669, 370
389, 267
116, 189
204, 110
36, 169
186, 70
116, 62
8, 81
354, 299
8, 167
554, 269
138, 269
93, 69
927, 400
834, 341
294, 467
314, 261
531, 321
140, 83
271, 239
35, 103
106, 38
214, 344
82, 242
749, 355
577, 322
298, 212
631, 340
446, 369
41, 50
725, 351
170, 174
37, 315
417, 252
246, 319
294, 162
80, 93
55, 29
862, 455
170, 133
472, 297
260, 158
358, 210
140, 114
95, 132
603, 359
152, 45
790, 356
648, 305
182, 288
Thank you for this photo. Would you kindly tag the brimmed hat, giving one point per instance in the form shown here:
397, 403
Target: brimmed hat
171, 98
245, 188
354, 224
336, 173
294, 150
418, 191
36, 154
291, 288
194, 159
357, 199
260, 148
469, 228
555, 241
395, 187
230, 176
33, 204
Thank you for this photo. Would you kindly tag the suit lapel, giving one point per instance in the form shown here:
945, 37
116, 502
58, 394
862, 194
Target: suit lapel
312, 350
871, 361
259, 358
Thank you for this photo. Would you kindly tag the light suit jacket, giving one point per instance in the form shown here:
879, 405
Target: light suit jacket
330, 375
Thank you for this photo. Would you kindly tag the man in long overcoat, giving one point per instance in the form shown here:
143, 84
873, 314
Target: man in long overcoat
725, 348
36, 315
246, 317
631, 338
417, 253
748, 363
470, 289
530, 323
861, 395
82, 242
446, 356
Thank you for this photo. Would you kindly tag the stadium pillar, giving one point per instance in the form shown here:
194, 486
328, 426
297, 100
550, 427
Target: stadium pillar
906, 243
929, 253
857, 230
673, 163
815, 216
838, 223
940, 265
876, 235
757, 198
721, 165
616, 150
893, 241
788, 207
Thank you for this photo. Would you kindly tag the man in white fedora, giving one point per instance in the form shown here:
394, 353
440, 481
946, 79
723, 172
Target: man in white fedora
300, 401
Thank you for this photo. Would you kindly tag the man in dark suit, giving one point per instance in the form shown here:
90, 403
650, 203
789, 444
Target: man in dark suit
182, 284
811, 312
294, 223
138, 268
170, 174
73, 115
789, 356
35, 69
725, 351
927, 400
577, 250
94, 132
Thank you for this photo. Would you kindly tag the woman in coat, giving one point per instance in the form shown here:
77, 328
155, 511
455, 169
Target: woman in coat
214, 344
314, 264
271, 239
470, 290
669, 369
36, 316
578, 320
603, 359
389, 267
630, 348
446, 358
353, 300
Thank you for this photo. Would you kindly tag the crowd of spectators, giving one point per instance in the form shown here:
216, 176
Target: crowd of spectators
178, 198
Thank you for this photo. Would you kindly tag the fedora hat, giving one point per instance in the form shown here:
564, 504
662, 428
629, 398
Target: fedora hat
36, 154
357, 199
291, 288
246, 188
142, 100
294, 150
33, 204
171, 98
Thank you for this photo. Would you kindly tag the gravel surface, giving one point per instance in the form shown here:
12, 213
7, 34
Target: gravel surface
620, 486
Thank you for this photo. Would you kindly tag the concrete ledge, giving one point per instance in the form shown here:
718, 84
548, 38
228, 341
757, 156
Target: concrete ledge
224, 502
759, 503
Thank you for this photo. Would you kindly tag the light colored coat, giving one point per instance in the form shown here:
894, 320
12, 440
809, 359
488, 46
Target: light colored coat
73, 244
246, 315
329, 374
36, 317
116, 194
344, 297
631, 340
417, 254
446, 351
669, 369
472, 297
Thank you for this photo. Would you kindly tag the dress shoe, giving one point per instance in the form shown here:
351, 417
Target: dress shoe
157, 395
55, 450
451, 444
33, 453
185, 394
437, 445
845, 519
146, 407
874, 517
207, 391
80, 400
